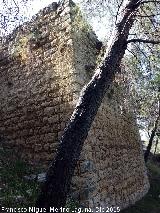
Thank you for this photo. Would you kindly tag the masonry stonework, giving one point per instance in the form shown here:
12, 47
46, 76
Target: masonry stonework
43, 66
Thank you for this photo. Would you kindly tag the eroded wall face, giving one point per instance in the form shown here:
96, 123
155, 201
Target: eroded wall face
111, 169
36, 84
43, 69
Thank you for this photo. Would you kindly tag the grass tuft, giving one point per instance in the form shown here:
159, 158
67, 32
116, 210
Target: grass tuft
15, 191
151, 202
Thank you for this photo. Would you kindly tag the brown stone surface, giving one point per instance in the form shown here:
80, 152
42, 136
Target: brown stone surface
43, 66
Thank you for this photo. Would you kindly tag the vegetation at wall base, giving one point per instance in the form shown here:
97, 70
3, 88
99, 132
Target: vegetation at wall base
151, 202
15, 191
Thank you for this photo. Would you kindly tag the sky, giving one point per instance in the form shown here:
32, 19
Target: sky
26, 11
37, 5
33, 6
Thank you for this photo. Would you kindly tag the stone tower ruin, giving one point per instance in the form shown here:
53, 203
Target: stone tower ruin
43, 66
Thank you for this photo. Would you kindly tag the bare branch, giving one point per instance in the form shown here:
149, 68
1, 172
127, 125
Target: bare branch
148, 16
145, 2
17, 7
143, 41
151, 19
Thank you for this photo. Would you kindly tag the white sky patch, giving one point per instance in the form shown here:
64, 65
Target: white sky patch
35, 6
100, 28
99, 19
32, 7
144, 135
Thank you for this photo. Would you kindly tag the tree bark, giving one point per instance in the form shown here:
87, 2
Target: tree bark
56, 187
156, 146
148, 150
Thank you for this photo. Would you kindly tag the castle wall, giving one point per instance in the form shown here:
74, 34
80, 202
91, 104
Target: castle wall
44, 65
111, 170
112, 167
36, 84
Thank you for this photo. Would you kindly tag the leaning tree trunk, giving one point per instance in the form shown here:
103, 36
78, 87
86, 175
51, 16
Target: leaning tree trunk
155, 150
56, 187
148, 150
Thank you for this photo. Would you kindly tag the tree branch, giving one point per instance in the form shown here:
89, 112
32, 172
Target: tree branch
148, 16
143, 41
145, 2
